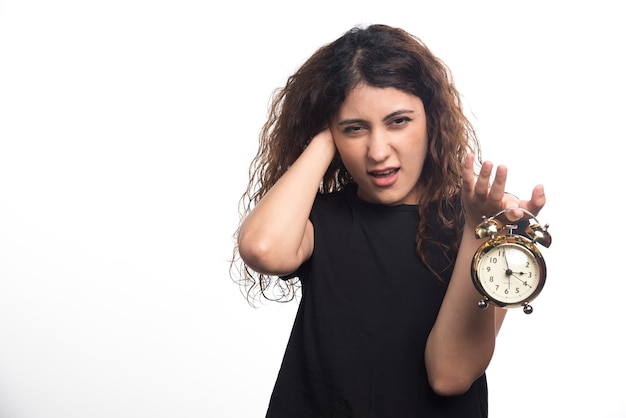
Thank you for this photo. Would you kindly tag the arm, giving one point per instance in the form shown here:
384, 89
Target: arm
462, 341
277, 236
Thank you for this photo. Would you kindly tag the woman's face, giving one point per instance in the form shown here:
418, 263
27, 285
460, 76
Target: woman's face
381, 136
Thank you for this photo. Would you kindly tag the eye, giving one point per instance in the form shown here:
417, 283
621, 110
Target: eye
400, 122
354, 129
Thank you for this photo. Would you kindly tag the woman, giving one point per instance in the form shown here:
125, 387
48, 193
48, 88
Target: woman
363, 193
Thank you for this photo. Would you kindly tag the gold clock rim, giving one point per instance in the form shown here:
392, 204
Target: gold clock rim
516, 240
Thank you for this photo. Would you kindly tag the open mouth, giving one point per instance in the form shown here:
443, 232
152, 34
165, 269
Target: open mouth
384, 173
385, 178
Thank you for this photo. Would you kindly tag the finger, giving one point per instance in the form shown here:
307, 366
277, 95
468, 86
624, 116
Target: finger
482, 183
512, 201
468, 173
537, 200
496, 193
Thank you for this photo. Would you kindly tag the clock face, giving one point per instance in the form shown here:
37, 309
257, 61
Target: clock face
509, 273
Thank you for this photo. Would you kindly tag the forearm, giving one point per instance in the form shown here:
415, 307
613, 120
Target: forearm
273, 237
462, 341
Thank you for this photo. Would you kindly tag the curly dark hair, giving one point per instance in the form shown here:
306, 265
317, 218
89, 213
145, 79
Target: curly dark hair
379, 56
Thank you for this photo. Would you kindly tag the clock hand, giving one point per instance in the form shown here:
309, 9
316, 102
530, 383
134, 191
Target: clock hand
508, 270
521, 280
506, 261
511, 272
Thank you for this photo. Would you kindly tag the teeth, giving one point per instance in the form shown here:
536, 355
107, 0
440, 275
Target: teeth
383, 173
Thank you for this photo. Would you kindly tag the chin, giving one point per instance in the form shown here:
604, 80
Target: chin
390, 198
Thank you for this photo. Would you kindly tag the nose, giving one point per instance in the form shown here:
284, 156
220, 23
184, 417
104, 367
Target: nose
379, 148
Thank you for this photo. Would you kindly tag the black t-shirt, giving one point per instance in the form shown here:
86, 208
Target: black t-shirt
368, 304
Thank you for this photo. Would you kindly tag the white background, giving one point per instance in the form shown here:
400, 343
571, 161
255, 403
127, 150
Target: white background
126, 130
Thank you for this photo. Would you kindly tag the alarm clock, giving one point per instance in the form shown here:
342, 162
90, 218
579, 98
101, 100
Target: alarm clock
509, 270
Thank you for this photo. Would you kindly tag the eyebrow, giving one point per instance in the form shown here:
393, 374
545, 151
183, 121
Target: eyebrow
389, 116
